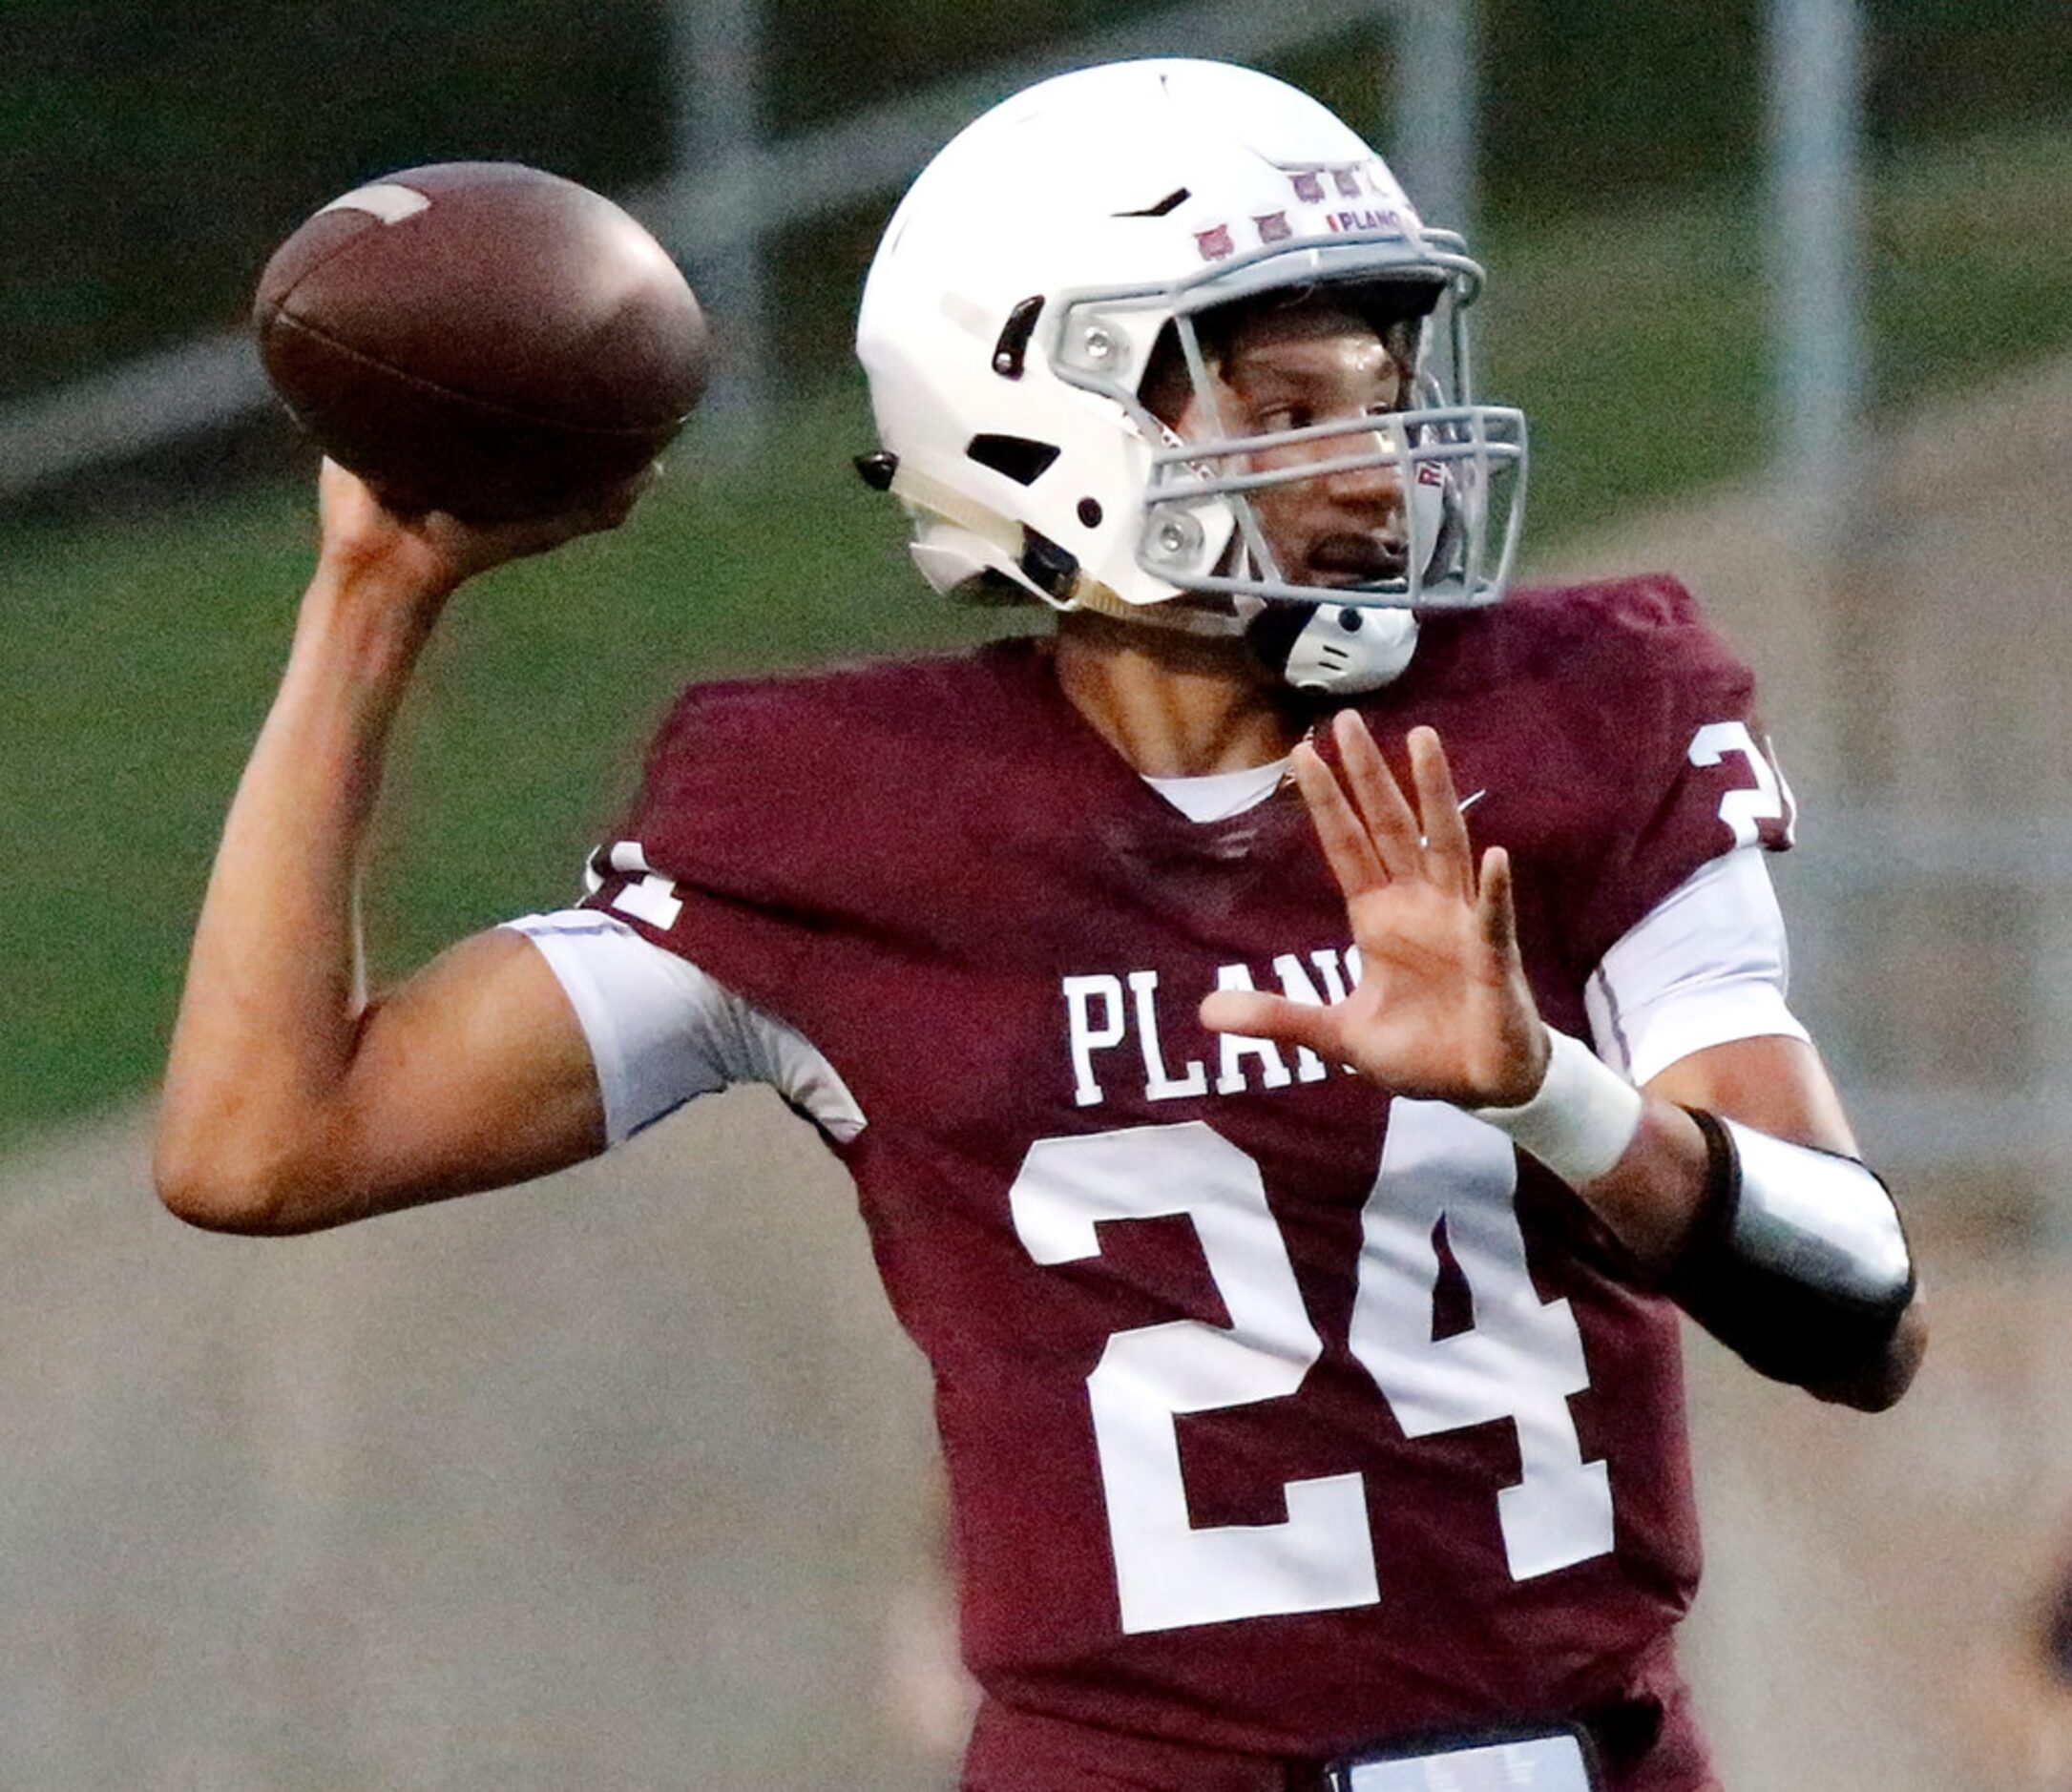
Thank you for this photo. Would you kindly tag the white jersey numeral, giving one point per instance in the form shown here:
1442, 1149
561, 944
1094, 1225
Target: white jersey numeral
1743, 810
653, 898
1519, 1361
1168, 1572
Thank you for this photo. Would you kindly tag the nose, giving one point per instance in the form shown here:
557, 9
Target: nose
1374, 485
1339, 508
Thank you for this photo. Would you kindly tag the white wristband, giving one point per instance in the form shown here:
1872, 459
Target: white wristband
1582, 1119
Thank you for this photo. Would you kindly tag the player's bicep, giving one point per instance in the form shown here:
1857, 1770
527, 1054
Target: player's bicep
663, 1030
470, 1074
1776, 1084
531, 1048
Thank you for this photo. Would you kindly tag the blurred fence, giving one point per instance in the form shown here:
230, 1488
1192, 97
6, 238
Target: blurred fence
744, 189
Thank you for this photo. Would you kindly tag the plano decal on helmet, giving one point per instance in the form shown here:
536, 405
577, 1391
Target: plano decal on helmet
1386, 219
1065, 275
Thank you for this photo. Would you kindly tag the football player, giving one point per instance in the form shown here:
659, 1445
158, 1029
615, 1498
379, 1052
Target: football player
1296, 1236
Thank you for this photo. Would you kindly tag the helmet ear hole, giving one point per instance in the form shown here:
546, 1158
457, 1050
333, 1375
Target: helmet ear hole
1017, 457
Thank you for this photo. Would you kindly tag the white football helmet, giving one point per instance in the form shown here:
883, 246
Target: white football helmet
1013, 309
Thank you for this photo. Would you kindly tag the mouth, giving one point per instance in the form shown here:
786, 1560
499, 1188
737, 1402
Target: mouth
1342, 562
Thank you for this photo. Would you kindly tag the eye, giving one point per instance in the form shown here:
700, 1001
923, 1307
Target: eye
1273, 419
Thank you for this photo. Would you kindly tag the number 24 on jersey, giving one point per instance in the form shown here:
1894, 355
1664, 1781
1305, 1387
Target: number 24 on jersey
1520, 1361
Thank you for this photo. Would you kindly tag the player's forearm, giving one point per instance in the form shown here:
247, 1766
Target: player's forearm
1784, 1247
267, 1021
1653, 1197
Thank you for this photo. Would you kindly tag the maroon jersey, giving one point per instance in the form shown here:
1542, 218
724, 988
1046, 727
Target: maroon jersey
1281, 1416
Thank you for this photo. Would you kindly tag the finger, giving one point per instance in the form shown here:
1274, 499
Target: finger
1439, 809
610, 511
1495, 909
1348, 848
401, 506
1383, 807
482, 545
618, 503
1261, 1016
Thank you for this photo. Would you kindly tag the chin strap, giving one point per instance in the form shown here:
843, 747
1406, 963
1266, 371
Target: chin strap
1176, 613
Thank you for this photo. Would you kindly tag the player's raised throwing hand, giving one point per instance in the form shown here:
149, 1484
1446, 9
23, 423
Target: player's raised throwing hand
1442, 1010
429, 553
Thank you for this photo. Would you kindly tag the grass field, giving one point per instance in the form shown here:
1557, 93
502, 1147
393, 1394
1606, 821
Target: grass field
138, 662
138, 657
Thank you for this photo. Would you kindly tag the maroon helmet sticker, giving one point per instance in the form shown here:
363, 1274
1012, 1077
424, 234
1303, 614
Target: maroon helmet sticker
1348, 180
1308, 186
1274, 227
1215, 245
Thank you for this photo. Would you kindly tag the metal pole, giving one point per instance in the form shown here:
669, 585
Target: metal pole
1815, 236
717, 51
1435, 135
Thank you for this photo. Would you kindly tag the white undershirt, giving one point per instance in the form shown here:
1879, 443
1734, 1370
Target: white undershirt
1707, 965
1221, 795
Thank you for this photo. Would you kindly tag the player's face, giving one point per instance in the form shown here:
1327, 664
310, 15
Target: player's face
1295, 368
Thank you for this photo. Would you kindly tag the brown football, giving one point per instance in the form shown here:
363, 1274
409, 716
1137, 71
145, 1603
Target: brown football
482, 338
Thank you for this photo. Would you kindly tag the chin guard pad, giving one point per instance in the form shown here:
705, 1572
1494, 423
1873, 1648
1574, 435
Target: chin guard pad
1335, 649
1798, 1262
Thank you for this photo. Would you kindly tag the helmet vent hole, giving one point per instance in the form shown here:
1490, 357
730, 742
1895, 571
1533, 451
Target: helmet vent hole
1090, 513
1011, 350
1171, 202
1015, 456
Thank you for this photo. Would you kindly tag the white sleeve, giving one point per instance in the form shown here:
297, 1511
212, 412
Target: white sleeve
1705, 965
660, 1030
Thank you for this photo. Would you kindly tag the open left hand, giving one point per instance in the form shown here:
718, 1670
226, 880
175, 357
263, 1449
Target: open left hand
1442, 1010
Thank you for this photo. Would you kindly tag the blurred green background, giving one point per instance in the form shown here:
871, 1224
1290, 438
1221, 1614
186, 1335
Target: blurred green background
154, 153
154, 156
